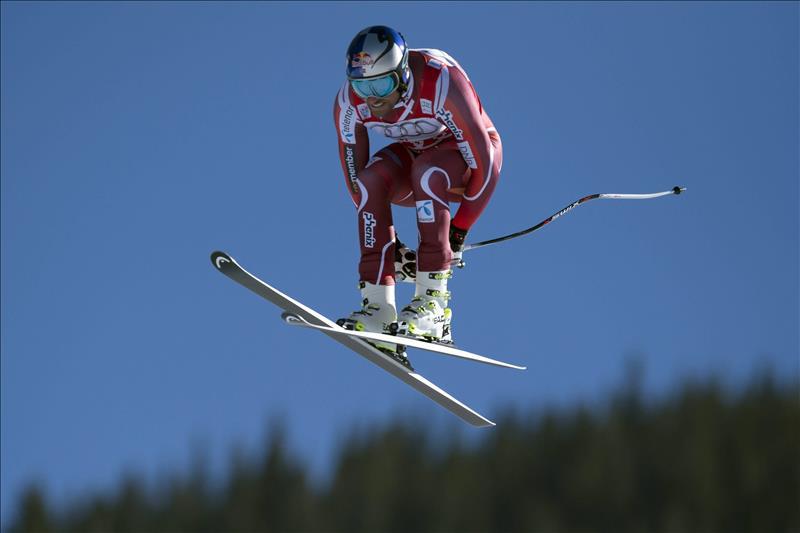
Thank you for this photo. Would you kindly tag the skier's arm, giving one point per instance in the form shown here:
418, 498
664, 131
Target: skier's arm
353, 141
469, 126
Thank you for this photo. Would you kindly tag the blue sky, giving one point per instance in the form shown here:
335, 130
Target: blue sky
139, 137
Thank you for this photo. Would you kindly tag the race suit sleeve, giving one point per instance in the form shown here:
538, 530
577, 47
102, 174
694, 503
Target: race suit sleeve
461, 112
353, 142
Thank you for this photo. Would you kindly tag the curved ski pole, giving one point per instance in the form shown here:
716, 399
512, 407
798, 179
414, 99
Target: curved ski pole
564, 211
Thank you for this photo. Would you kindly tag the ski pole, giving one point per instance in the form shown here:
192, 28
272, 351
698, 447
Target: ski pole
570, 207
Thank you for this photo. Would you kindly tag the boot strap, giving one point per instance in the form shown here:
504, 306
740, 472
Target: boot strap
445, 295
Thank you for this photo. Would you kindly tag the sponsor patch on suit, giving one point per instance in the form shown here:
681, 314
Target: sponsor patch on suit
425, 212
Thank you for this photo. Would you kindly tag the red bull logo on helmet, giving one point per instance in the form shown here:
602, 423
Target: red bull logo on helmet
361, 60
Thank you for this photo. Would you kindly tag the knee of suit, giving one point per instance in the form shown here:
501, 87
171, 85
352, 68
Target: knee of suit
376, 181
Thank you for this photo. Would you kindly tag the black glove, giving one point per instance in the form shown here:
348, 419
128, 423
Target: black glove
457, 236
405, 262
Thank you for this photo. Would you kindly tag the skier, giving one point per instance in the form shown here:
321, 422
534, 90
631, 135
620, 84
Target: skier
445, 149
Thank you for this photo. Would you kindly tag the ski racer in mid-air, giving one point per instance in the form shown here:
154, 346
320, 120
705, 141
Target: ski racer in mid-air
445, 149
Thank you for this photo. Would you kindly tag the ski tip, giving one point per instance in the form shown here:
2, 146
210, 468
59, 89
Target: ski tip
678, 189
291, 318
220, 259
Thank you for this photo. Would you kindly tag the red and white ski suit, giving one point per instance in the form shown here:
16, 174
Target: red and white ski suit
446, 149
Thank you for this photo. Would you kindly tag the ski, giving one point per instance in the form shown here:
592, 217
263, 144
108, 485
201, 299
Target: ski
228, 266
439, 348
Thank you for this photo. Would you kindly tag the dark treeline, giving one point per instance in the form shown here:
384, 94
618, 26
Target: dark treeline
702, 459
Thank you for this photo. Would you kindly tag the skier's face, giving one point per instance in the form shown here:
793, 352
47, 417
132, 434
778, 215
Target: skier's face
381, 106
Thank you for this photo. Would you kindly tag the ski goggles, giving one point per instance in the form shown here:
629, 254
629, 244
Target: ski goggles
379, 87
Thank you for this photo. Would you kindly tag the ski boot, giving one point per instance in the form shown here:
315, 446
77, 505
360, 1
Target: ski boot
377, 314
427, 317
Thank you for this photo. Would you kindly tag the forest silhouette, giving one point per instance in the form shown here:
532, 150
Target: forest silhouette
702, 458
